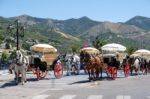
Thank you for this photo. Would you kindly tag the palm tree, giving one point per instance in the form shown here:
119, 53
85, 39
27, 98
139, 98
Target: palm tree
97, 43
131, 49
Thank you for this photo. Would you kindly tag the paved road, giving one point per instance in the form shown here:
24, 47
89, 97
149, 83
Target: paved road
77, 87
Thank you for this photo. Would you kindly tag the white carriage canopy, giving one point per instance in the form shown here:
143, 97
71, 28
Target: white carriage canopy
44, 48
45, 52
142, 53
114, 47
90, 50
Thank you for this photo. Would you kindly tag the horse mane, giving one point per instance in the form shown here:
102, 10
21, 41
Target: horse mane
23, 58
19, 57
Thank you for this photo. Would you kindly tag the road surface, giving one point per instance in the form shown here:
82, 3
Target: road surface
76, 87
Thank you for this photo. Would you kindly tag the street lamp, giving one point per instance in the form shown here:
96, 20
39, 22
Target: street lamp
19, 31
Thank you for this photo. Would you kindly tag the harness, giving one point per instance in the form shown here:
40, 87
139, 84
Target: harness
139, 61
94, 59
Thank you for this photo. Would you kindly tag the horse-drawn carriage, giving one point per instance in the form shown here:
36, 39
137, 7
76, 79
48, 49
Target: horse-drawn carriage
116, 63
42, 58
96, 63
112, 65
92, 63
139, 61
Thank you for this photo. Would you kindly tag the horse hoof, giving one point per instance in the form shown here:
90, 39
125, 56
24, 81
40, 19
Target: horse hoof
16, 83
22, 83
90, 79
77, 73
68, 74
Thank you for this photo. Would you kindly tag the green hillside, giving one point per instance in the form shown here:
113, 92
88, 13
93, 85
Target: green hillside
71, 33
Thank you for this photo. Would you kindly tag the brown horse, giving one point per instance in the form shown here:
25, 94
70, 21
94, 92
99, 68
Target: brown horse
93, 64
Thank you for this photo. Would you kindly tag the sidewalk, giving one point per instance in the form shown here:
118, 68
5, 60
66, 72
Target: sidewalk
5, 76
4, 72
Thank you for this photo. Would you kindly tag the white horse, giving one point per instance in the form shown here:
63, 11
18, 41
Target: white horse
72, 63
76, 63
136, 65
22, 62
67, 60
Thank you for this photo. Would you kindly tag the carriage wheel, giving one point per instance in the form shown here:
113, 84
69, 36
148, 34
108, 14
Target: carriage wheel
114, 73
58, 71
38, 73
109, 71
126, 70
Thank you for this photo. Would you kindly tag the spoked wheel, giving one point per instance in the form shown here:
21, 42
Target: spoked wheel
58, 71
126, 70
114, 73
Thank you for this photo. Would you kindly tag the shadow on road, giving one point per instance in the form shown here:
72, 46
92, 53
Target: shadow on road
8, 84
79, 82
35, 79
87, 81
13, 83
32, 79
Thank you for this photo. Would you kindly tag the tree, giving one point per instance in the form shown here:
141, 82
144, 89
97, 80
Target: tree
7, 46
74, 49
12, 55
4, 57
131, 49
97, 43
26, 45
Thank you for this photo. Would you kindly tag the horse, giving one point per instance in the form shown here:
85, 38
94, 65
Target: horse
72, 63
93, 64
135, 65
75, 63
67, 61
148, 66
22, 62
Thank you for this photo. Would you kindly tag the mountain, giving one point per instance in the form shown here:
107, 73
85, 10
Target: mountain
128, 35
76, 26
65, 34
39, 30
140, 21
116, 28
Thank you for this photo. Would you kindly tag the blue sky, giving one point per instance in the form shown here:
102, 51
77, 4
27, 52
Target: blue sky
100, 10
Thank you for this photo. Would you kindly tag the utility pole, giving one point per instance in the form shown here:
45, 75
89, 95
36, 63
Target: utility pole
19, 32
17, 35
